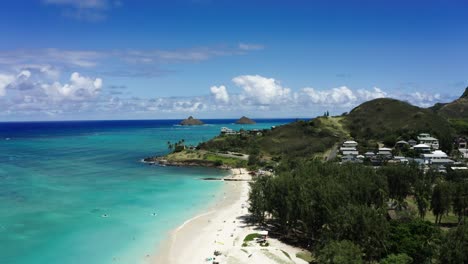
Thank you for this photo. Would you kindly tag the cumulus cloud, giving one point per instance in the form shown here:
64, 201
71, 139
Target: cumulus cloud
5, 80
424, 99
79, 88
341, 95
220, 93
372, 94
32, 90
261, 90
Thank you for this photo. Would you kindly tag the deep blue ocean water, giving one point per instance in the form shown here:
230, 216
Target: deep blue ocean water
76, 192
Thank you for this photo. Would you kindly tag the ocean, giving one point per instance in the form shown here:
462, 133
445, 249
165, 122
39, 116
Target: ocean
77, 191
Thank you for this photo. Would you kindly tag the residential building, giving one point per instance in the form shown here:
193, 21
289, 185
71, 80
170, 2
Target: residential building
425, 138
422, 148
350, 144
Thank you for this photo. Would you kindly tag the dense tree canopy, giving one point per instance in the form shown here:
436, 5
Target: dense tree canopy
335, 209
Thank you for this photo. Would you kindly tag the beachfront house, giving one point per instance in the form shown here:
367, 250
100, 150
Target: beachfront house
228, 131
425, 138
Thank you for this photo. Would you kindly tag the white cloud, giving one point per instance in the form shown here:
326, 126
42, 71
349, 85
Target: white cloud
424, 99
220, 93
341, 95
373, 94
260, 90
79, 88
125, 63
88, 10
5, 80
245, 46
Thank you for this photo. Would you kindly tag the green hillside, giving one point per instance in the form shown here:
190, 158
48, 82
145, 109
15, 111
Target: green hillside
374, 122
456, 113
388, 120
296, 139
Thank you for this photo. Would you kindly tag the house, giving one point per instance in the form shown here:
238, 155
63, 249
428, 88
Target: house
349, 151
228, 131
425, 138
435, 155
369, 154
349, 148
350, 144
350, 158
400, 159
385, 152
401, 144
412, 142
422, 148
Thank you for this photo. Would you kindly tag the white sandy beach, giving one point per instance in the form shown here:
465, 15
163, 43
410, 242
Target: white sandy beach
222, 228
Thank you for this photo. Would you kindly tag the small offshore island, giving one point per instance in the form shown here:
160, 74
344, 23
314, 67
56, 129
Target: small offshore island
245, 121
190, 121
385, 183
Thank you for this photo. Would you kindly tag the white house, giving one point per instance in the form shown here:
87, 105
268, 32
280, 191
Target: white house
435, 155
422, 148
425, 138
385, 152
349, 151
350, 144
228, 131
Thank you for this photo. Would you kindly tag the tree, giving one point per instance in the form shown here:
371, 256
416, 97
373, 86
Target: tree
397, 259
258, 199
416, 238
170, 146
440, 202
423, 192
454, 246
340, 252
460, 200
400, 180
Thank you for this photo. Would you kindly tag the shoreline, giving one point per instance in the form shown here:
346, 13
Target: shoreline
221, 227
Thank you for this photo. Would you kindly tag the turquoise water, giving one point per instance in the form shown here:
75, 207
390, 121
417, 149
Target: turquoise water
59, 180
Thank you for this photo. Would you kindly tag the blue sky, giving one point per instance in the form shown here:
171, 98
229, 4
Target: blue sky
108, 59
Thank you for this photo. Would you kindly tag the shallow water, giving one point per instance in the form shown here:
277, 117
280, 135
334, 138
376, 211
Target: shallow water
76, 192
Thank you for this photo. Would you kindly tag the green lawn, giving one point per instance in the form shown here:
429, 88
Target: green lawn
451, 218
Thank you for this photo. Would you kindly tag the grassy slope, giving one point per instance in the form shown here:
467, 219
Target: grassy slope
297, 139
389, 119
376, 121
456, 112
203, 156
